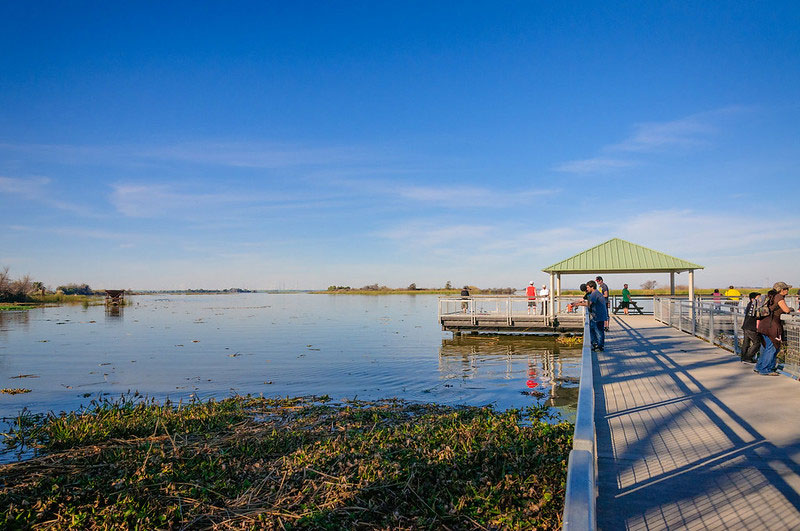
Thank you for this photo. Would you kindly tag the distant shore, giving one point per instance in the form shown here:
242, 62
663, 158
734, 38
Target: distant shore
387, 292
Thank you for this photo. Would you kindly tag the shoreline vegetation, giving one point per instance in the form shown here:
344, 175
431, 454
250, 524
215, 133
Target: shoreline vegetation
383, 290
299, 463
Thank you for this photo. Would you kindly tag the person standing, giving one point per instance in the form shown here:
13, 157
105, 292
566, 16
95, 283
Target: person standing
465, 299
751, 341
733, 295
717, 296
530, 291
601, 286
626, 298
544, 295
771, 329
598, 315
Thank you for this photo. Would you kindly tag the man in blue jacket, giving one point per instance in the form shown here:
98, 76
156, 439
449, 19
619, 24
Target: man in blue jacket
598, 315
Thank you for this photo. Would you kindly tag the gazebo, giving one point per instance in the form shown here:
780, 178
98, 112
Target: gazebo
620, 256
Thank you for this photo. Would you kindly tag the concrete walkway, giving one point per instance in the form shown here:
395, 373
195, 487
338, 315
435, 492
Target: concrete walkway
689, 437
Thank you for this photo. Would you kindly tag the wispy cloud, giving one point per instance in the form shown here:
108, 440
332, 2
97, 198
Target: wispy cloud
457, 196
690, 132
594, 165
708, 238
472, 195
155, 200
685, 133
209, 153
79, 232
37, 190
431, 235
257, 155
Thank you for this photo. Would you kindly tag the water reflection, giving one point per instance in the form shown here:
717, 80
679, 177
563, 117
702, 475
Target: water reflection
114, 312
279, 345
14, 320
538, 367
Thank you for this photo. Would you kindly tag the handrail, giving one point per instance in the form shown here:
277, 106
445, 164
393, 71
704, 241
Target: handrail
720, 324
580, 500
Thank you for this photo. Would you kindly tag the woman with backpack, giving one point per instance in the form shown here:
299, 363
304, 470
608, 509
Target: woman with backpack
771, 329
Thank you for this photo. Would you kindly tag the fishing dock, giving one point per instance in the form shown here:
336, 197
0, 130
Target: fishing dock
674, 432
509, 314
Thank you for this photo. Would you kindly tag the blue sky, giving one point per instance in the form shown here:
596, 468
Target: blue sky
266, 145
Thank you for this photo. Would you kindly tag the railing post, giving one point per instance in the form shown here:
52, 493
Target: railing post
472, 312
680, 316
735, 334
669, 312
711, 334
694, 318
508, 310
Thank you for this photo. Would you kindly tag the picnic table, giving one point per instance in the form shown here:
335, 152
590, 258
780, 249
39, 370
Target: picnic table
632, 305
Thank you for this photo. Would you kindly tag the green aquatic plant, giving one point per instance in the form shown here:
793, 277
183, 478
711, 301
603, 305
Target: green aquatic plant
299, 463
14, 307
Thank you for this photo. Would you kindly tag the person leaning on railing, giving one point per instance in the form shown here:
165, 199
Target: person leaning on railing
751, 340
596, 304
771, 329
465, 295
573, 306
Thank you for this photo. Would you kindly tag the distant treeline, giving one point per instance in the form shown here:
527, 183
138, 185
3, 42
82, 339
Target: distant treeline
25, 289
375, 288
198, 291
15, 290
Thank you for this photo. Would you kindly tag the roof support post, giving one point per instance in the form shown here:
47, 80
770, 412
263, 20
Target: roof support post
691, 291
551, 310
672, 282
558, 288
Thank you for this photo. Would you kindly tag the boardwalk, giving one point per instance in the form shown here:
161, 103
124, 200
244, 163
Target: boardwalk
689, 437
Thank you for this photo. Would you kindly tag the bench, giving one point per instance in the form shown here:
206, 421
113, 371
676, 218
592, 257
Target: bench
631, 306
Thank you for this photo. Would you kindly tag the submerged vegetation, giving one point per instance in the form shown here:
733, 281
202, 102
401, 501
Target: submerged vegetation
292, 463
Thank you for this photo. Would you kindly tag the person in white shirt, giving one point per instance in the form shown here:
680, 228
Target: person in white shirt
544, 296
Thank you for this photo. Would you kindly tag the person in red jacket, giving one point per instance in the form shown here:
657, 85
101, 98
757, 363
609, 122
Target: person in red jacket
530, 291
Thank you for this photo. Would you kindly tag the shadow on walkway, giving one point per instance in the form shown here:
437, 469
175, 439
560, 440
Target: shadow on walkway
672, 453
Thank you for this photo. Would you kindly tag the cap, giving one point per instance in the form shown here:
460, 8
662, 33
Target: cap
599, 277
780, 285
531, 282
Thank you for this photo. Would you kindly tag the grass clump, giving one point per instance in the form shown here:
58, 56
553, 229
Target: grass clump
302, 463
8, 307
14, 390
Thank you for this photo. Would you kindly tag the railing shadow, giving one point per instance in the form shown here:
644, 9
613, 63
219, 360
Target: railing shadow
672, 455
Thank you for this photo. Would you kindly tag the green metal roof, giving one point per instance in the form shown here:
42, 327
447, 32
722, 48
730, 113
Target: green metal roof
620, 256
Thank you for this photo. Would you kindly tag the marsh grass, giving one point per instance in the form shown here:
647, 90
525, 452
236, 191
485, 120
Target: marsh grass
295, 463
6, 307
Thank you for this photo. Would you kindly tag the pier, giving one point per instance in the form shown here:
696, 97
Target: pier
674, 432
504, 314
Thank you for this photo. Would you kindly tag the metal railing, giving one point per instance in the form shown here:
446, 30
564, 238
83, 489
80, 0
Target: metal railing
721, 324
504, 305
580, 500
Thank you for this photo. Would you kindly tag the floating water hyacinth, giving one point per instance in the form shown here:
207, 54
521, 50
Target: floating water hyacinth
249, 462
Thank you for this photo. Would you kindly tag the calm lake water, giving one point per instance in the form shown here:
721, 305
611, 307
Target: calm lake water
344, 346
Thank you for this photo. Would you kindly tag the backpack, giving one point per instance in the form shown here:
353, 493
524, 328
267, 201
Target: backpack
762, 310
